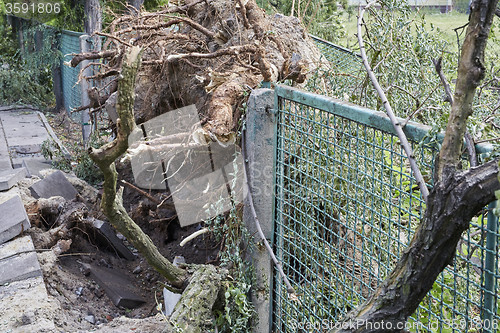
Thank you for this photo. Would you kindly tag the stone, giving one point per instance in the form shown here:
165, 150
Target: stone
116, 286
170, 299
179, 260
106, 232
54, 184
34, 166
14, 218
137, 270
16, 263
9, 178
90, 319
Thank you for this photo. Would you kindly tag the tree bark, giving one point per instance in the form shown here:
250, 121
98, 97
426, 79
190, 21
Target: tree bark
471, 71
105, 157
452, 203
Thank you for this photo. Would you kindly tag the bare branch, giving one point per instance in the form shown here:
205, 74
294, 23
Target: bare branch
232, 50
91, 56
397, 126
444, 82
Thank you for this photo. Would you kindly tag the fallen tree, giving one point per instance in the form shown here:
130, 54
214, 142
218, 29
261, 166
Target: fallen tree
207, 53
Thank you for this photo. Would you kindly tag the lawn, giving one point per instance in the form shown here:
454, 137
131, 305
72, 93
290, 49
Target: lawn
443, 25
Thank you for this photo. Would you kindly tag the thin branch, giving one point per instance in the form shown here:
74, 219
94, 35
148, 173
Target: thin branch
144, 193
113, 37
471, 149
289, 287
444, 82
397, 125
232, 50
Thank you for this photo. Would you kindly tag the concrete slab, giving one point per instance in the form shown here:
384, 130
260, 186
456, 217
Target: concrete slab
16, 263
10, 177
5, 164
106, 231
14, 219
35, 165
25, 307
55, 184
23, 129
117, 287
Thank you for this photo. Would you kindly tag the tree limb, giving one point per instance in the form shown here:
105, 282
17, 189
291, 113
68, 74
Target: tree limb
471, 71
397, 126
444, 82
90, 56
452, 204
104, 157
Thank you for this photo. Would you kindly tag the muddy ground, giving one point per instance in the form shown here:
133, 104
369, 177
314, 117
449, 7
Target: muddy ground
84, 306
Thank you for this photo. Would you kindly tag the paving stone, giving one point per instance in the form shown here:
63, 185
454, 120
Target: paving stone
25, 307
54, 184
107, 232
10, 177
34, 166
170, 299
23, 129
16, 263
13, 218
117, 287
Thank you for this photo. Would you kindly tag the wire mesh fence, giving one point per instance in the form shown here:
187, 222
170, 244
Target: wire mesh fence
70, 44
347, 205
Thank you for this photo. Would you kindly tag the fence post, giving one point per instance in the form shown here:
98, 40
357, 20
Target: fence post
259, 147
489, 307
84, 86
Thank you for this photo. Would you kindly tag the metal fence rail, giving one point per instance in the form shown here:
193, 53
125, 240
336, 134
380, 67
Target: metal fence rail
346, 207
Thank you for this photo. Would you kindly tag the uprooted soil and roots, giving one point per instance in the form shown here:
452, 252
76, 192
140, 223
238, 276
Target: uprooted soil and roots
207, 53
66, 241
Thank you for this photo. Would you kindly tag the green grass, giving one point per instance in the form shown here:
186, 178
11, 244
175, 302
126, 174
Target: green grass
442, 24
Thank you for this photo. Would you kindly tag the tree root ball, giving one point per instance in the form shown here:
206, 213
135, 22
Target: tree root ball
207, 53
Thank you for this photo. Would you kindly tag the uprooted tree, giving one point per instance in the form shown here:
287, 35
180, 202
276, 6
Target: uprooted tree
210, 54
207, 53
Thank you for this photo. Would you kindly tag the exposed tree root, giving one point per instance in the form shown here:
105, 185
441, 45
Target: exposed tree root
208, 54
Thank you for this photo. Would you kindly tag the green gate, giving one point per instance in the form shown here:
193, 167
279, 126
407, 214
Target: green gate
346, 207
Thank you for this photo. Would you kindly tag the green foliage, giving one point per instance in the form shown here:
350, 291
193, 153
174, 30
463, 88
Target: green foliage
70, 17
80, 162
321, 18
26, 74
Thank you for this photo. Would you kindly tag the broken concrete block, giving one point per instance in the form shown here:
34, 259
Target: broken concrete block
14, 219
34, 166
170, 299
107, 232
117, 287
54, 184
9, 178
16, 263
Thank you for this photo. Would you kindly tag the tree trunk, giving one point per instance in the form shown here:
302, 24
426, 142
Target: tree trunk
452, 204
471, 71
105, 157
454, 201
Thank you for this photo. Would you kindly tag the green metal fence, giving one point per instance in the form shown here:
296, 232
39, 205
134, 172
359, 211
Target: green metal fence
346, 207
70, 44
